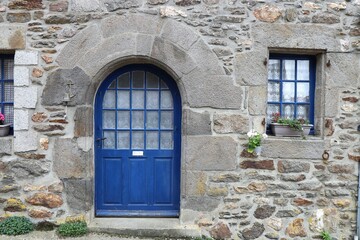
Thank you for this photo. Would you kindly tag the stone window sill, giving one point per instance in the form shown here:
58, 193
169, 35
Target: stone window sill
293, 147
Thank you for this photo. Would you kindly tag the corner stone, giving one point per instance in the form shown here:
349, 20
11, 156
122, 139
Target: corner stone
79, 194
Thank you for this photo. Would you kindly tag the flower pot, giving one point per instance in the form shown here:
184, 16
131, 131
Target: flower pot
257, 151
4, 130
282, 130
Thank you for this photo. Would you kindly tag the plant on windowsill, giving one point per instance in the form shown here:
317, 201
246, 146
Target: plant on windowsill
287, 127
254, 144
4, 128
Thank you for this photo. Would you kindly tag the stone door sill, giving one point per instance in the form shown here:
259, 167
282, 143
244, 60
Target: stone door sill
144, 227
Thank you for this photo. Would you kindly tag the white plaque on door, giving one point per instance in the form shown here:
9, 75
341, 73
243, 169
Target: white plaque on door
137, 153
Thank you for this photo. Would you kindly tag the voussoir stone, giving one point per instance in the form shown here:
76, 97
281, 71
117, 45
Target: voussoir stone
56, 87
230, 123
249, 60
210, 153
49, 200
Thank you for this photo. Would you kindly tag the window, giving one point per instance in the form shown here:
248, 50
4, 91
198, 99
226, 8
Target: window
291, 86
7, 87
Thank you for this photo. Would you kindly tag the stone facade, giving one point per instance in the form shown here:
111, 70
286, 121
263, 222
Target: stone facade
217, 51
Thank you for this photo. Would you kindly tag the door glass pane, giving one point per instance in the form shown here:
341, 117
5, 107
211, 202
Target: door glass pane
9, 91
152, 81
288, 111
273, 92
137, 140
137, 119
123, 140
166, 100
288, 94
288, 70
109, 99
137, 99
113, 85
109, 119
123, 100
166, 141
109, 141
123, 120
152, 120
303, 112
163, 85
152, 140
271, 109
166, 120
138, 79
152, 100
303, 92
124, 80
303, 70
274, 69
9, 69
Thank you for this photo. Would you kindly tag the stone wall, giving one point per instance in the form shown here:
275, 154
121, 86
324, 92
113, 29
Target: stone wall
217, 52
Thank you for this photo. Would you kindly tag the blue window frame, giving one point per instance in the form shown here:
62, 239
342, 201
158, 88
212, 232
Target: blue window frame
7, 87
291, 86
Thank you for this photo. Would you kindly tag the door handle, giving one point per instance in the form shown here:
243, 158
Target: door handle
100, 139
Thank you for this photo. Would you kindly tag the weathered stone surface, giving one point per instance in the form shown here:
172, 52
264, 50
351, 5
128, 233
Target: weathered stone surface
57, 187
8, 188
170, 11
226, 177
15, 37
195, 183
257, 187
86, 6
185, 3
18, 17
54, 90
26, 57
220, 231
264, 211
179, 34
340, 74
79, 194
113, 5
210, 153
6, 146
296, 228
39, 213
291, 14
28, 102
329, 127
302, 202
25, 141
29, 168
294, 149
25, 4
293, 166
44, 143
156, 2
61, 6
32, 188
341, 203
197, 123
293, 178
30, 155
288, 213
230, 123
200, 203
341, 168
274, 223
83, 122
230, 19
14, 205
327, 18
254, 232
267, 13
39, 117
263, 164
68, 160
48, 128
217, 191
49, 200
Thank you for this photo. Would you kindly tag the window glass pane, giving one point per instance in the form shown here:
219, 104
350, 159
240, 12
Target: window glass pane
152, 120
303, 70
109, 141
152, 140
123, 100
138, 79
123, 140
137, 99
163, 84
303, 112
109, 99
9, 114
303, 92
288, 92
274, 69
152, 100
271, 109
166, 141
288, 71
137, 140
166, 120
124, 80
273, 92
1, 90
152, 81
9, 91
109, 119
137, 119
113, 85
288, 111
166, 100
9, 69
123, 120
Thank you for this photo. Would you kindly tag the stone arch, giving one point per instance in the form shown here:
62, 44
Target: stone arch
102, 46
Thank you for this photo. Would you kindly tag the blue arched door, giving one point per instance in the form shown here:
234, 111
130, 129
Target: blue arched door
137, 143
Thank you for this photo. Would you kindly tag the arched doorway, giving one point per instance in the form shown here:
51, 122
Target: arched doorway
137, 143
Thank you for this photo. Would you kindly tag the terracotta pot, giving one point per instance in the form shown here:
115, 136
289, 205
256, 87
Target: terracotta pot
283, 130
4, 130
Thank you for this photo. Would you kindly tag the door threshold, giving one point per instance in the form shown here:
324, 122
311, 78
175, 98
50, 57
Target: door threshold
144, 227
